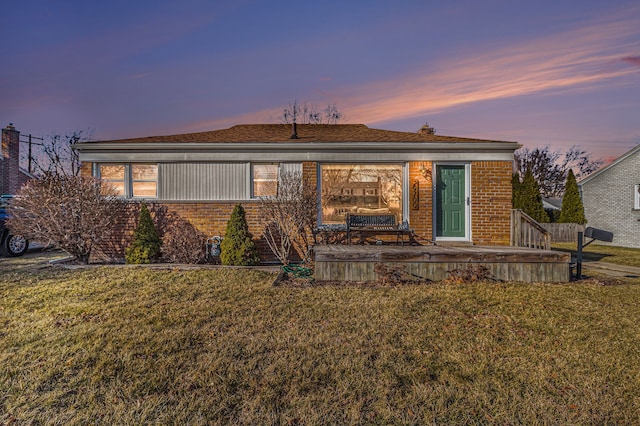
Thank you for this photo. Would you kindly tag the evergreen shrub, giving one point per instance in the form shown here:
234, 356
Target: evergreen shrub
237, 247
145, 246
531, 200
572, 208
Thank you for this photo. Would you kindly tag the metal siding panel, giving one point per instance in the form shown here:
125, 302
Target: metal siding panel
291, 167
203, 181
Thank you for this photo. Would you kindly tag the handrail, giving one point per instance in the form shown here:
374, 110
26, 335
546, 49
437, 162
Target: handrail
526, 232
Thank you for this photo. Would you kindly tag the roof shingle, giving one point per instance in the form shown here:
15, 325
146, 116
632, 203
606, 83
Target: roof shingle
306, 133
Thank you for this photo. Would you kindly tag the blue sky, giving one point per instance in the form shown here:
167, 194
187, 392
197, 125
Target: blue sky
545, 72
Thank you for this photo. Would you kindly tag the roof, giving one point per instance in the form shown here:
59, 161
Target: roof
552, 203
611, 165
306, 133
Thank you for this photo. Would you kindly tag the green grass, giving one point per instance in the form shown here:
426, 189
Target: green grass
605, 253
136, 345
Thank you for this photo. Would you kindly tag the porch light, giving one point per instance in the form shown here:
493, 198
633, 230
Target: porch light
425, 172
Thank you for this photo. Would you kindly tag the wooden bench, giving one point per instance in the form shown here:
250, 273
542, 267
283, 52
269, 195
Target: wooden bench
376, 224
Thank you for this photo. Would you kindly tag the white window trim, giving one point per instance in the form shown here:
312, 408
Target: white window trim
636, 197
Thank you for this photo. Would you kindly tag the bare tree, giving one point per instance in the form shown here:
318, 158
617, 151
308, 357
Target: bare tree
550, 168
74, 213
332, 115
307, 113
56, 154
289, 217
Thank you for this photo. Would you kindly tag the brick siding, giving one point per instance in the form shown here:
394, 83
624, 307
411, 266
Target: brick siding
491, 202
11, 178
490, 195
421, 200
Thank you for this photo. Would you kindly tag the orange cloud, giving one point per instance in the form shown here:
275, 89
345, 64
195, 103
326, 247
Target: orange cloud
633, 60
579, 59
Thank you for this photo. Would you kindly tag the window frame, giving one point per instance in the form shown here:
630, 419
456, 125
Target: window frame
404, 183
252, 179
98, 174
128, 179
133, 181
636, 196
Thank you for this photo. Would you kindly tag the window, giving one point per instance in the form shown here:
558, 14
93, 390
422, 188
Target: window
144, 180
636, 197
360, 188
131, 180
265, 180
113, 174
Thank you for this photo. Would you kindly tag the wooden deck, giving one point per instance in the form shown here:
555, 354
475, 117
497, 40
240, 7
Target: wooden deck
357, 262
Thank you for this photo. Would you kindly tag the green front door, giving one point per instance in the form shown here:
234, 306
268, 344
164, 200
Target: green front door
450, 201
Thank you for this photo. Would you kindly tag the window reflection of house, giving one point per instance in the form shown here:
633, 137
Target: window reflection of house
360, 188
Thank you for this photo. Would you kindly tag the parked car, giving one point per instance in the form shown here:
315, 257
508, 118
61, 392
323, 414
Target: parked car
10, 245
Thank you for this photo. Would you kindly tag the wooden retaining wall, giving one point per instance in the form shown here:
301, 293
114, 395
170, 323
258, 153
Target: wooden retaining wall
358, 263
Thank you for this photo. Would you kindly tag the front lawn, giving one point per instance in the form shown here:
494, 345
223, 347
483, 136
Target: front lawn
141, 346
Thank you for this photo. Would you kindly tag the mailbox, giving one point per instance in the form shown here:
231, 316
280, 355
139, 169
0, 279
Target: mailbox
598, 234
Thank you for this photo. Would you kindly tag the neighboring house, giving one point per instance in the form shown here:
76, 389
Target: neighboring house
611, 199
552, 203
12, 176
448, 189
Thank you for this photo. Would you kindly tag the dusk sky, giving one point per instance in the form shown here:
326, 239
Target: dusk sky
538, 72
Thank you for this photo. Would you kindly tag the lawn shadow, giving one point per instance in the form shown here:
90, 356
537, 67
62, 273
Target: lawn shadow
586, 255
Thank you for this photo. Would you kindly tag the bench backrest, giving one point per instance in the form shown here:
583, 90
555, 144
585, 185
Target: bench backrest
371, 221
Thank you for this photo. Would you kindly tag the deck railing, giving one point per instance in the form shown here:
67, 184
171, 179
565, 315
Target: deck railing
526, 232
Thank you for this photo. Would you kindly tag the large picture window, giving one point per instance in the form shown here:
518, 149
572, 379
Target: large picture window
360, 188
131, 180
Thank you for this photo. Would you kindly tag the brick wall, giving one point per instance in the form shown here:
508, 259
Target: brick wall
490, 195
11, 178
491, 202
421, 200
209, 217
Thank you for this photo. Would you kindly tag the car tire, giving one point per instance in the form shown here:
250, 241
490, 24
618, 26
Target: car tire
15, 245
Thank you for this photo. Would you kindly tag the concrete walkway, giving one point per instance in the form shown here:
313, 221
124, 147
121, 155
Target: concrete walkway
611, 269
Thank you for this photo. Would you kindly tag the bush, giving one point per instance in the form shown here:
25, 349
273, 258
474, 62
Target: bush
237, 247
182, 242
516, 189
530, 199
289, 217
145, 246
553, 214
74, 213
572, 208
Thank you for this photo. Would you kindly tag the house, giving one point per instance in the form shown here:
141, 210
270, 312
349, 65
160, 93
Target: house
449, 189
552, 203
611, 199
12, 176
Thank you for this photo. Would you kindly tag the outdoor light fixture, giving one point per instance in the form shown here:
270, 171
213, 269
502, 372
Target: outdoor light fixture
425, 172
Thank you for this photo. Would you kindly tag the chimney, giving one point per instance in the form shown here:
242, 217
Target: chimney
427, 130
294, 131
11, 178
